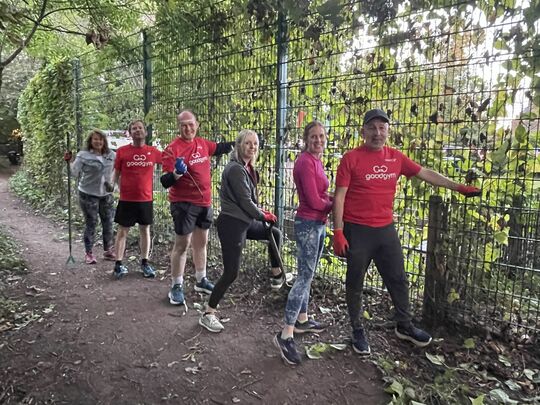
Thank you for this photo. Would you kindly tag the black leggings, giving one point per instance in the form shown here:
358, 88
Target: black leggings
232, 234
383, 247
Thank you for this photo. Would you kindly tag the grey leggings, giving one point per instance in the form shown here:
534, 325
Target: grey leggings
381, 245
91, 207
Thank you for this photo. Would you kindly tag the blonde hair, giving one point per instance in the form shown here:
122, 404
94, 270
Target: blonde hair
308, 127
242, 135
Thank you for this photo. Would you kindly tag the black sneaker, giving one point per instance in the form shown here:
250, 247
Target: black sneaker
204, 286
287, 349
148, 271
309, 326
413, 334
276, 282
120, 271
359, 342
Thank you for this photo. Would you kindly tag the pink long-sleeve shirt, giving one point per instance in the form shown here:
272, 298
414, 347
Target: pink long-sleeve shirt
312, 186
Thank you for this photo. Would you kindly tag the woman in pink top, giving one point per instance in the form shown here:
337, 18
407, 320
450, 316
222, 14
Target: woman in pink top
310, 231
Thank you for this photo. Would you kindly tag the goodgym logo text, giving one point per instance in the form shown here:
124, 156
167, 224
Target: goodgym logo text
139, 160
380, 172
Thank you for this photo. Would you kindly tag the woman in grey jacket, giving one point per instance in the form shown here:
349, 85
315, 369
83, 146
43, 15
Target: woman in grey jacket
94, 166
240, 219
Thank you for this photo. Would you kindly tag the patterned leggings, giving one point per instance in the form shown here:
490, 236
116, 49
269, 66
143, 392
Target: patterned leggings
91, 207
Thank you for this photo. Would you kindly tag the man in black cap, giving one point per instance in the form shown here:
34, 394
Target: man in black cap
363, 223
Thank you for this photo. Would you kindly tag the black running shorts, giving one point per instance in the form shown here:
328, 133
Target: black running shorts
187, 216
129, 213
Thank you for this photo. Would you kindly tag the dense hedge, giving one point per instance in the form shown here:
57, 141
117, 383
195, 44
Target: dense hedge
46, 116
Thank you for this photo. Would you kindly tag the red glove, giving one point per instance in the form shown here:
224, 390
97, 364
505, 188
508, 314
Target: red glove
469, 191
68, 156
269, 217
340, 243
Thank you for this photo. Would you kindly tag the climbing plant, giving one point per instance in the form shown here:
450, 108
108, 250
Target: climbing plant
46, 116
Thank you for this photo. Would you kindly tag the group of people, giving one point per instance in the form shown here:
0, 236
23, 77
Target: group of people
362, 207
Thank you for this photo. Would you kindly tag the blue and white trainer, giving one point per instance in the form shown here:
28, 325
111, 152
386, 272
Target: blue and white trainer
204, 286
359, 342
176, 295
148, 271
413, 334
120, 271
309, 326
287, 349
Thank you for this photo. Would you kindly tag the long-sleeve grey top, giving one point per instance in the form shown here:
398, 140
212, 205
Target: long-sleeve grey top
238, 193
93, 171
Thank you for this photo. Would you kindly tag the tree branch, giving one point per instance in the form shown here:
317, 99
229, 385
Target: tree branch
17, 51
89, 8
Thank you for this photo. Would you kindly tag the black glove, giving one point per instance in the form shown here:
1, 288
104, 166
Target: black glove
109, 188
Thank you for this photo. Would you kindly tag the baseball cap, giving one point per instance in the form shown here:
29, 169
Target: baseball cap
375, 113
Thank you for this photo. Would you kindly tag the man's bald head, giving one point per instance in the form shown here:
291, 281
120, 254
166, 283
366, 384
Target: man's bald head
187, 125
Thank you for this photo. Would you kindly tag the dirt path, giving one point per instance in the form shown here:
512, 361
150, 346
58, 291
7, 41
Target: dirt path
116, 342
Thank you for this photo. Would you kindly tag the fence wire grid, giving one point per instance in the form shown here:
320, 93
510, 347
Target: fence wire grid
458, 87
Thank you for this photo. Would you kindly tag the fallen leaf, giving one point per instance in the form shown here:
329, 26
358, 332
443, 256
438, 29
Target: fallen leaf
395, 388
479, 400
192, 370
513, 385
435, 359
501, 396
469, 343
505, 360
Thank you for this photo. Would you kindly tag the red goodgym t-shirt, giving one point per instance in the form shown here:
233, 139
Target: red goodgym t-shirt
371, 177
136, 167
195, 186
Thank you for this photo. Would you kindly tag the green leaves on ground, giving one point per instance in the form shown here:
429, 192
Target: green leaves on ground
314, 352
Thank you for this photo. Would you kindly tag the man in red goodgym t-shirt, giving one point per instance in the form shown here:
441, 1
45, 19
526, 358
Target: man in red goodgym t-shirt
134, 167
363, 223
186, 167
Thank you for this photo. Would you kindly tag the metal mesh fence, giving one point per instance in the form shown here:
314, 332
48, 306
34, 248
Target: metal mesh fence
455, 80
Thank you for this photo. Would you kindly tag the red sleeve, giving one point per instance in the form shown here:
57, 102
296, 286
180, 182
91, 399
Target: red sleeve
409, 168
343, 177
168, 159
118, 160
211, 146
157, 156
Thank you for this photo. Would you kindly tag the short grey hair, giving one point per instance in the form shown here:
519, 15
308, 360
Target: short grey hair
242, 135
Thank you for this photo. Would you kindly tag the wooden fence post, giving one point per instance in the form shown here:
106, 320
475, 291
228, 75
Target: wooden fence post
435, 282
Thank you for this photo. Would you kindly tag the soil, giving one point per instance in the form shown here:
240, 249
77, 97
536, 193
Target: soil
98, 340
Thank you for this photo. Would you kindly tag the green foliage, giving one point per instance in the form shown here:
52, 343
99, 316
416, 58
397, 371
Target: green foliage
12, 267
23, 186
46, 117
12, 263
449, 75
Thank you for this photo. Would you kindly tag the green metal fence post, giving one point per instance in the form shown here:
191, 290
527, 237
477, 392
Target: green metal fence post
281, 115
77, 101
147, 89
